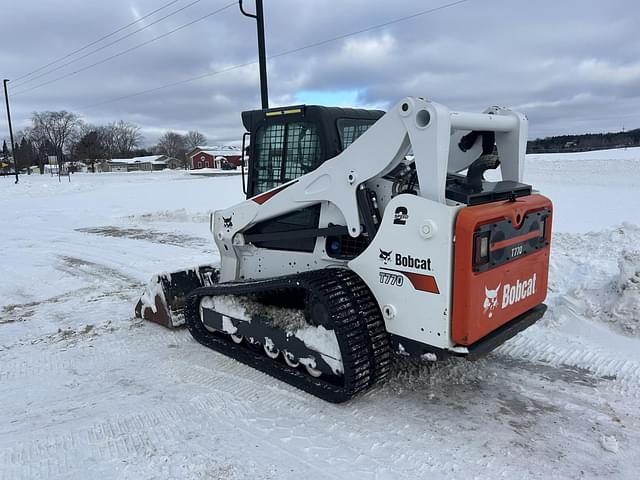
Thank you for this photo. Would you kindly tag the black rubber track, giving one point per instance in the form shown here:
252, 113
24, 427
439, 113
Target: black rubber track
352, 313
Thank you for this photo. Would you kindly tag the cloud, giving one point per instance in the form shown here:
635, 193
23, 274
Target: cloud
571, 66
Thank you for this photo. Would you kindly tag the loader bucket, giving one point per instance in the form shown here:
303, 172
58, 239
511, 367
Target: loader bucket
164, 297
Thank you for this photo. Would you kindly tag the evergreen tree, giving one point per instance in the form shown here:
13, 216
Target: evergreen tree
27, 155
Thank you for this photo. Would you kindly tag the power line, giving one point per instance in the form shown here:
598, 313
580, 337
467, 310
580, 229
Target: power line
123, 52
174, 84
368, 29
281, 54
118, 40
96, 41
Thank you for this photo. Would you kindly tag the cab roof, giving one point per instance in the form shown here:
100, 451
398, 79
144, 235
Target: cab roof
325, 116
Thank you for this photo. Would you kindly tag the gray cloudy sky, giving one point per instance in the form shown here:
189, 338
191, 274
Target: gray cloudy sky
572, 66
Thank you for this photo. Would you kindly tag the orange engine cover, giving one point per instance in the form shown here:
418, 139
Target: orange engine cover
512, 279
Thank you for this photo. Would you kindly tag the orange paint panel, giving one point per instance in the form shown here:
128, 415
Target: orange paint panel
260, 199
425, 283
485, 300
420, 281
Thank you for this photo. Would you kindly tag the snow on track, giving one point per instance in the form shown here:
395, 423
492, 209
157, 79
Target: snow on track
88, 390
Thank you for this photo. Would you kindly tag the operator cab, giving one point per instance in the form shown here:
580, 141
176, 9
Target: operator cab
288, 142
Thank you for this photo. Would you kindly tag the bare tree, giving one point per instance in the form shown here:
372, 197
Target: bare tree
107, 138
172, 144
42, 147
194, 139
126, 137
117, 138
60, 129
53, 133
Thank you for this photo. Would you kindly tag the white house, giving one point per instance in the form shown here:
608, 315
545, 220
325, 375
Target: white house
148, 164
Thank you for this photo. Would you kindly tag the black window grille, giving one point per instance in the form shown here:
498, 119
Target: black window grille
270, 149
285, 152
350, 129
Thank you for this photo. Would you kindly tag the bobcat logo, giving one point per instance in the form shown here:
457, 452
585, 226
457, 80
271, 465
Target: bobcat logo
491, 300
385, 256
227, 222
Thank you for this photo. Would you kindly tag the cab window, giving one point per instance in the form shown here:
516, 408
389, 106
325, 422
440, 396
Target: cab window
285, 152
350, 129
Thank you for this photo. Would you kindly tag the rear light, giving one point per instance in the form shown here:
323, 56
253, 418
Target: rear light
543, 229
481, 248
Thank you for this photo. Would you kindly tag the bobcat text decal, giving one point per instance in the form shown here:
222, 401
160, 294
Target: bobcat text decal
412, 262
408, 261
514, 293
395, 277
511, 294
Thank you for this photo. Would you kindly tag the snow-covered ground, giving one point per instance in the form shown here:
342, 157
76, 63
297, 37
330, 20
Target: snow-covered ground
86, 390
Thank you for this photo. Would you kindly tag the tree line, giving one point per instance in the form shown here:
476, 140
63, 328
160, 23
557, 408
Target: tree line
582, 143
66, 136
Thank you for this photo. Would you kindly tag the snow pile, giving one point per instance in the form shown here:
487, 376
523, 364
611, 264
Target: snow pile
324, 341
244, 307
226, 305
594, 276
292, 320
153, 290
619, 303
286, 318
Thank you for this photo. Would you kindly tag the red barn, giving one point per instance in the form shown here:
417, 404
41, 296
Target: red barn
212, 157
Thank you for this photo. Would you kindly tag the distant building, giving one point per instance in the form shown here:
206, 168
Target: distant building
174, 163
214, 157
142, 164
75, 167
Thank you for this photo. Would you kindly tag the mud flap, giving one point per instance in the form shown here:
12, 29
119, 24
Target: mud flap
164, 297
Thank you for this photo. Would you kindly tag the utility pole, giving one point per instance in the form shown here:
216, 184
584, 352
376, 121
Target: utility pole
13, 145
262, 55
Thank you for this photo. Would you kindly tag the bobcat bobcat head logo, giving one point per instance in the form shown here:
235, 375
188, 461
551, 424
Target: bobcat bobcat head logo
227, 222
385, 256
491, 300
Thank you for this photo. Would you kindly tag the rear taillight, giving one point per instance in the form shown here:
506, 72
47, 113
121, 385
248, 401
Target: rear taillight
481, 248
543, 230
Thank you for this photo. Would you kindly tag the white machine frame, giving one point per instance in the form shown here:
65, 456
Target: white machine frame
431, 132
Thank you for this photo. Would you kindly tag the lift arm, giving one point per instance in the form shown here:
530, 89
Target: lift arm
431, 130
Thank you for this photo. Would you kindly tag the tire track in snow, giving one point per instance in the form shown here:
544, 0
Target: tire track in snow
93, 272
623, 375
224, 374
304, 415
121, 340
75, 244
17, 312
140, 437
118, 438
248, 403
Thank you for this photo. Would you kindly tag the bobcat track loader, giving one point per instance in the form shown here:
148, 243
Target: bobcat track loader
360, 237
